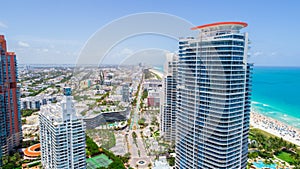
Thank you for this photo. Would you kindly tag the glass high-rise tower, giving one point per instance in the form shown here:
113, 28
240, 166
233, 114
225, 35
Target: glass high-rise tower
10, 116
213, 100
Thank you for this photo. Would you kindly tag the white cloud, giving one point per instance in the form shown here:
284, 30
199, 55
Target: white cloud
45, 50
52, 46
41, 50
257, 53
23, 44
273, 53
2, 25
126, 52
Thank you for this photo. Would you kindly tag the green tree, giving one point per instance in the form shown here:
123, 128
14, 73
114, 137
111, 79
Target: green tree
91, 146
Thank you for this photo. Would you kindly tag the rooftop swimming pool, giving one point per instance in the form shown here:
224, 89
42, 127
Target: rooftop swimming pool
261, 164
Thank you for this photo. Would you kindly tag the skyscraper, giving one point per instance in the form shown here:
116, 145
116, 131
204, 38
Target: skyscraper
214, 81
62, 135
10, 116
168, 99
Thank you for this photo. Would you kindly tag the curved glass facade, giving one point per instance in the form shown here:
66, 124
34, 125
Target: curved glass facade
213, 100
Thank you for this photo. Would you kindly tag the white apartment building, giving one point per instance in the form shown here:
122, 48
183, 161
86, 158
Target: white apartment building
168, 99
62, 135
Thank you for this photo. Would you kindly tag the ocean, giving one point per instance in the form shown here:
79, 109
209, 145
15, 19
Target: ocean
275, 93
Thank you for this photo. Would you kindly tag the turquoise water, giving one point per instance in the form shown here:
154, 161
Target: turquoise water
159, 68
276, 93
261, 164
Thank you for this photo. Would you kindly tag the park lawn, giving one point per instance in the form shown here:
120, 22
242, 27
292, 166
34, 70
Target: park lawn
285, 157
256, 130
105, 137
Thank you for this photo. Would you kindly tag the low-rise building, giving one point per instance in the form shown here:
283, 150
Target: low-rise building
152, 84
153, 99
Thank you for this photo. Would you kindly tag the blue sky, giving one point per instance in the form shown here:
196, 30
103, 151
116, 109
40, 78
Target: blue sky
50, 32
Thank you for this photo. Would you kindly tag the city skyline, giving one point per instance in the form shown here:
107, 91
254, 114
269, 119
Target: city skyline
155, 84
42, 36
131, 114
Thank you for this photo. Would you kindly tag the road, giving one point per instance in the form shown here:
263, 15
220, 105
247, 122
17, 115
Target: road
137, 149
134, 120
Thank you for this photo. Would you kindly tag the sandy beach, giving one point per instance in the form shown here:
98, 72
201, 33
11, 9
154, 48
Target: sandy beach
160, 74
275, 127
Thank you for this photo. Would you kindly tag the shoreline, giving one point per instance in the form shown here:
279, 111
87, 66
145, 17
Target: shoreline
160, 74
271, 111
275, 127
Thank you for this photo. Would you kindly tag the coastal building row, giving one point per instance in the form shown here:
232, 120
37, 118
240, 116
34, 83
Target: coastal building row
10, 116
